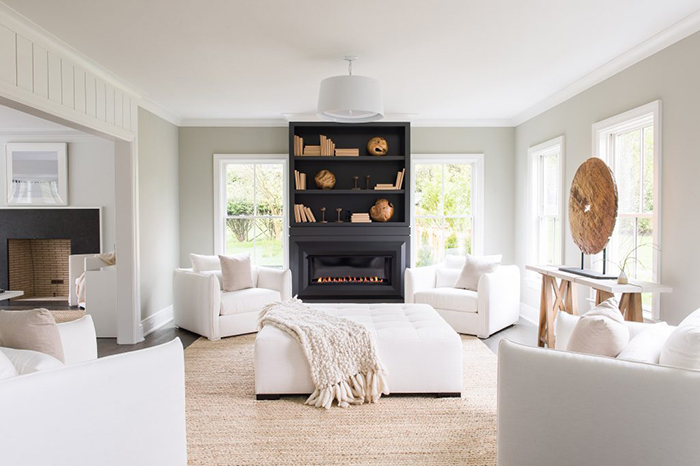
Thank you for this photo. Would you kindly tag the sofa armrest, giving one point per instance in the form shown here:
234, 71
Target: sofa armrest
556, 407
79, 340
499, 298
197, 302
418, 279
276, 279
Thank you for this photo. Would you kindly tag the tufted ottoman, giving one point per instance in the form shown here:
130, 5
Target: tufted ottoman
420, 351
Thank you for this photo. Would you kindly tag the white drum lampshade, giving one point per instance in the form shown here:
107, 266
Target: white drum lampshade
350, 99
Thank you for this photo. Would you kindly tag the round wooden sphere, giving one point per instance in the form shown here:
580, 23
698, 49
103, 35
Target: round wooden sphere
325, 179
377, 146
382, 211
592, 206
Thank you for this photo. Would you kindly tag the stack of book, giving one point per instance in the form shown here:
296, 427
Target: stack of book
347, 152
299, 180
312, 150
392, 187
360, 218
298, 145
303, 214
327, 146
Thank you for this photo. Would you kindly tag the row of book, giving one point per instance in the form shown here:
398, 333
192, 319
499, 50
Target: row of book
303, 214
392, 187
360, 218
326, 148
299, 180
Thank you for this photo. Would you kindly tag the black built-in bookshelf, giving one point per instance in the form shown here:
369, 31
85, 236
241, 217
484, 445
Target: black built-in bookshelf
346, 238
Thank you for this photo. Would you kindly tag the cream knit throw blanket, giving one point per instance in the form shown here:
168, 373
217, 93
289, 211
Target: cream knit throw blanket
342, 353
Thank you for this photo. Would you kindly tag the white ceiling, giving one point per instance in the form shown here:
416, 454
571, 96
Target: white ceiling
452, 59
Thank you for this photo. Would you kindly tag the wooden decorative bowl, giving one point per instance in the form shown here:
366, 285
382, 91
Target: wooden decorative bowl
377, 146
382, 210
325, 179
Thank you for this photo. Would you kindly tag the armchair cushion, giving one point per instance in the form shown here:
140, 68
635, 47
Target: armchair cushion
204, 263
446, 277
32, 330
248, 300
237, 272
28, 361
7, 369
474, 268
450, 299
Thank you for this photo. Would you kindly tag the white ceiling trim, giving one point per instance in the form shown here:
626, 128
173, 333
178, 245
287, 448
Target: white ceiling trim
159, 110
283, 122
679, 31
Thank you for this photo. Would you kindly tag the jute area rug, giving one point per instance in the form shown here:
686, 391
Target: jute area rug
227, 426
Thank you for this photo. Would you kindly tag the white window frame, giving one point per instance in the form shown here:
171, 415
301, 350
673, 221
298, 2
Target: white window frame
477, 195
603, 133
535, 193
220, 163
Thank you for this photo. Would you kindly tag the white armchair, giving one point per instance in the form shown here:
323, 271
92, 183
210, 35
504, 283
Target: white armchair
202, 307
494, 306
100, 295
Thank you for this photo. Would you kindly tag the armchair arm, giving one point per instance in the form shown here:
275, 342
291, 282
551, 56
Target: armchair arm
418, 279
499, 299
197, 302
78, 339
276, 279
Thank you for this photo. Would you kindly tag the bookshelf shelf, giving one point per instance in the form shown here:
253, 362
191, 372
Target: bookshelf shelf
361, 158
351, 192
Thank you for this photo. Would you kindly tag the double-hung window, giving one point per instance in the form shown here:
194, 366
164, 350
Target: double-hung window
630, 145
446, 207
546, 163
250, 205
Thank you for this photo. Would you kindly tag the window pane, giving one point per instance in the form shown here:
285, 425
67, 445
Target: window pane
548, 241
649, 169
239, 189
429, 241
458, 180
428, 189
269, 242
239, 236
627, 170
269, 189
458, 236
645, 253
550, 184
624, 243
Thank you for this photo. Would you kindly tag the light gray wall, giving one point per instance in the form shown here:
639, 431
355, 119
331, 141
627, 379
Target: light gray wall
159, 225
90, 174
197, 146
672, 75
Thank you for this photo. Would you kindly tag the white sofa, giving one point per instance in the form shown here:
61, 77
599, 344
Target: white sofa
494, 306
557, 407
119, 410
201, 306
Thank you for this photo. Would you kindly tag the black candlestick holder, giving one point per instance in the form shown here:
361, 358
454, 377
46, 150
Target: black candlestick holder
323, 215
354, 179
339, 210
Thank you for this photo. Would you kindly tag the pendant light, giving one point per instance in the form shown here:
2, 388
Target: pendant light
350, 99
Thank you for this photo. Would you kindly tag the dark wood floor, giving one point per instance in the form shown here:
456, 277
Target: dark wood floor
523, 332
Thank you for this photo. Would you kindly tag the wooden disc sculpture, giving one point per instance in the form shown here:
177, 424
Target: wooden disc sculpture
377, 146
325, 179
592, 206
382, 211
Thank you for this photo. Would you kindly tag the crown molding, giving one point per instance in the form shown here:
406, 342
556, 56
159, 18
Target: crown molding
463, 123
669, 36
283, 122
160, 111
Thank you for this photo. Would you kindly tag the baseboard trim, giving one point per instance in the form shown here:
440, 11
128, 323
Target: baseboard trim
529, 313
152, 323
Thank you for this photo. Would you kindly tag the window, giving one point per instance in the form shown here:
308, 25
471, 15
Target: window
250, 205
445, 206
546, 162
629, 143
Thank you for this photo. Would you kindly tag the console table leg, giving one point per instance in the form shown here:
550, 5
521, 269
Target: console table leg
543, 313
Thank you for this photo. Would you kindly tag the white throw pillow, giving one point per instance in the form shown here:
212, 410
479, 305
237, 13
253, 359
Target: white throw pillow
457, 262
236, 272
28, 361
601, 330
202, 263
474, 268
693, 317
563, 327
647, 345
446, 277
682, 348
7, 369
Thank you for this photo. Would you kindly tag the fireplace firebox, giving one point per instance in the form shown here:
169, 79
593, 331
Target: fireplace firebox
351, 270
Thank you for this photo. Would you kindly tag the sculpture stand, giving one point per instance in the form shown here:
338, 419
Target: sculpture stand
588, 273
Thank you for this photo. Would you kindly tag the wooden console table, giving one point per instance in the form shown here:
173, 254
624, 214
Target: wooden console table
562, 296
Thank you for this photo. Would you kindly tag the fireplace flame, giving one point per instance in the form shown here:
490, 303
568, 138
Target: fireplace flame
350, 280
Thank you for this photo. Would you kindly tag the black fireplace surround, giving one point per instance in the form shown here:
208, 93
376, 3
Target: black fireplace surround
349, 268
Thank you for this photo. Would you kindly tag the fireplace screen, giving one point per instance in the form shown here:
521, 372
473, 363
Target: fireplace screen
337, 269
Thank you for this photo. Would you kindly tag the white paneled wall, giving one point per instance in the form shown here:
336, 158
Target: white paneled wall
40, 75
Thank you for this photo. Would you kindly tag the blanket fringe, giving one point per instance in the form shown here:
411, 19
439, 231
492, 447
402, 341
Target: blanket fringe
356, 390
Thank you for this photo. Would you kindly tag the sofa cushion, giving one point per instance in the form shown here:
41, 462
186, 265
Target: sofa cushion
7, 369
248, 300
447, 298
236, 272
204, 263
682, 348
32, 330
563, 327
600, 331
647, 345
28, 361
474, 268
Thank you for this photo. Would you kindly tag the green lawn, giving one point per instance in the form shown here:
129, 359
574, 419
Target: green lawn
269, 251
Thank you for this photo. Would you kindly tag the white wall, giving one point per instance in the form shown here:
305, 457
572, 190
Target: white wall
672, 75
90, 174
